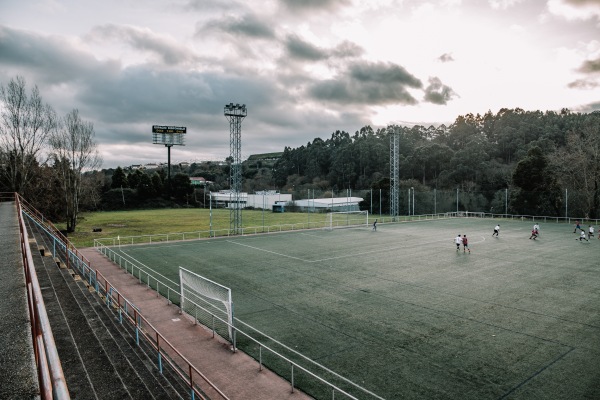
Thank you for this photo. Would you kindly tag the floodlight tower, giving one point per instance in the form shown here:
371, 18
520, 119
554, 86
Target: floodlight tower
235, 114
394, 172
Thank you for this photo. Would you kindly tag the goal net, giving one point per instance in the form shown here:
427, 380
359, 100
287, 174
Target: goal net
204, 300
342, 219
465, 214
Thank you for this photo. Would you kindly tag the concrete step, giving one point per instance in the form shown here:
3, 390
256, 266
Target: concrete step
99, 355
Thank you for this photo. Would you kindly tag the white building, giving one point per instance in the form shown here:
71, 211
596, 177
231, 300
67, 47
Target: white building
260, 200
329, 204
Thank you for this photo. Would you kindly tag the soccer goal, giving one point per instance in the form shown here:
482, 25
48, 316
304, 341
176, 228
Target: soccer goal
204, 299
465, 214
341, 219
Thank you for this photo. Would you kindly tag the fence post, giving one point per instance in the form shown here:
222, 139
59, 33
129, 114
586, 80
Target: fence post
160, 369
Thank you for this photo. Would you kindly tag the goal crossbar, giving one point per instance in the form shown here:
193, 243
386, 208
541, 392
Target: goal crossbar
342, 219
202, 297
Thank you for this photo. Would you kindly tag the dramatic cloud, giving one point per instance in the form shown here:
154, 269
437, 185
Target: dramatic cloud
299, 49
438, 93
33, 52
302, 50
347, 50
166, 48
304, 68
247, 25
368, 84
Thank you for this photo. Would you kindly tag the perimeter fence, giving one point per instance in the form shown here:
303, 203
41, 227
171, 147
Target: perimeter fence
322, 224
171, 290
167, 356
419, 200
297, 368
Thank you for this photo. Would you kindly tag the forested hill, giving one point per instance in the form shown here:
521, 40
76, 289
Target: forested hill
537, 155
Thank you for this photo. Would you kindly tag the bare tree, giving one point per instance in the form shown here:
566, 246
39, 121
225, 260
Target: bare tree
25, 124
74, 152
578, 165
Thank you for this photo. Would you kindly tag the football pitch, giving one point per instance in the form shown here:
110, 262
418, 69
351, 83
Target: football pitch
403, 314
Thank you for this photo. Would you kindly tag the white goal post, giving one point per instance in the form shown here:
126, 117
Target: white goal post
202, 298
341, 219
465, 214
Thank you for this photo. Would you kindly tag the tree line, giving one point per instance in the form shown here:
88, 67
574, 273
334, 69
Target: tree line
539, 158
521, 162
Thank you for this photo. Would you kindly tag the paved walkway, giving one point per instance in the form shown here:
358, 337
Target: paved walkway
235, 374
18, 379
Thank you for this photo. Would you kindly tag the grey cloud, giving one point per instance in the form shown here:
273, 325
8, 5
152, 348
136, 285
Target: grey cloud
583, 84
386, 73
123, 103
246, 25
368, 84
591, 107
446, 57
170, 51
438, 93
212, 5
580, 3
299, 49
312, 5
347, 49
590, 66
39, 54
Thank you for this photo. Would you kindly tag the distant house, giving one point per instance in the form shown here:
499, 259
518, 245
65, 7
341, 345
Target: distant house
198, 181
151, 166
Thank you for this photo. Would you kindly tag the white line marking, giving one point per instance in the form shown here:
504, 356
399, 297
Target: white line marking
268, 251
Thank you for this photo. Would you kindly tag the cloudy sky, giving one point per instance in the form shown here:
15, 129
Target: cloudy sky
304, 68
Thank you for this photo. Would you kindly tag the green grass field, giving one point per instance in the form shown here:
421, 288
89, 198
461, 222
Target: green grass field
151, 222
403, 314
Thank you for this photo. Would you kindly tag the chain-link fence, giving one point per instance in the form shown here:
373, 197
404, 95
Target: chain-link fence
417, 201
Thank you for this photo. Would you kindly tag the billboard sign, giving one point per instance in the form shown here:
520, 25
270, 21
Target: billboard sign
168, 129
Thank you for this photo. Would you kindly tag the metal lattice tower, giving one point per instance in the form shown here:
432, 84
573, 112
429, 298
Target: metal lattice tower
235, 114
394, 173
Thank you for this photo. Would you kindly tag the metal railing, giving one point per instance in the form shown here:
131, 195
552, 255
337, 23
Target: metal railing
129, 264
529, 218
165, 352
252, 230
51, 378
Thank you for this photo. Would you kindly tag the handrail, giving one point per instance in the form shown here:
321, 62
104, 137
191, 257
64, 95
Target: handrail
112, 255
50, 374
125, 307
53, 230
83, 267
